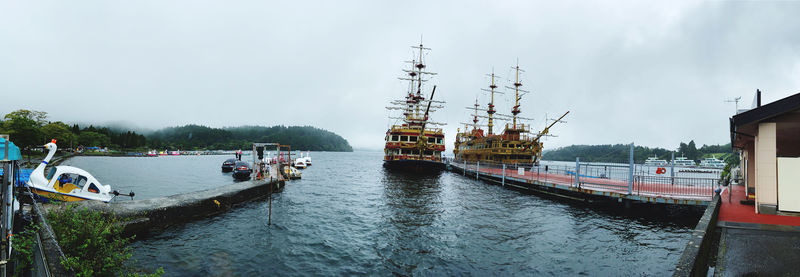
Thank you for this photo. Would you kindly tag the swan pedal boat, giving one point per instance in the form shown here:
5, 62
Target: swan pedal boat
66, 183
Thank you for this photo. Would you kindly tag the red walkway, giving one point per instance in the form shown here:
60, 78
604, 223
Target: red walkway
734, 211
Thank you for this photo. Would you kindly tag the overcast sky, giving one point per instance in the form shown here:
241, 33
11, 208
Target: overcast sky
653, 73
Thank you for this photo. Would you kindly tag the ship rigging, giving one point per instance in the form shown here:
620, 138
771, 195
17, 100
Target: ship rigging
413, 143
515, 145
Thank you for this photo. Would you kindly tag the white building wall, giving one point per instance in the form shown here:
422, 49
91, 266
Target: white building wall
766, 180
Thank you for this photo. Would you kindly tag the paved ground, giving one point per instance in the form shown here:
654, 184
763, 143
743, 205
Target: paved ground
755, 244
751, 252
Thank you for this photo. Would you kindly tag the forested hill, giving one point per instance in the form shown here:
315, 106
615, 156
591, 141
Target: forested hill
201, 137
619, 153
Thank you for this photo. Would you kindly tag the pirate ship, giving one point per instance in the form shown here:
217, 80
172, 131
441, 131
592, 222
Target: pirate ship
414, 144
515, 145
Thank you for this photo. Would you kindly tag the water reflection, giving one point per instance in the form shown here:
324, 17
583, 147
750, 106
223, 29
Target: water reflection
412, 206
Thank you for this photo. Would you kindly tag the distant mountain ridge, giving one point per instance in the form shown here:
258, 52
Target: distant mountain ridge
202, 137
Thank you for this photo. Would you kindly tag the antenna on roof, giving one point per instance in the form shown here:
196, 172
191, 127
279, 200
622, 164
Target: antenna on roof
735, 100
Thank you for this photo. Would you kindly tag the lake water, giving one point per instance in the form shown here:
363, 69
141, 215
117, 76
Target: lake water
349, 216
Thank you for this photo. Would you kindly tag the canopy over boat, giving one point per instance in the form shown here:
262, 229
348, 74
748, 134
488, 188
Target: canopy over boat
13, 151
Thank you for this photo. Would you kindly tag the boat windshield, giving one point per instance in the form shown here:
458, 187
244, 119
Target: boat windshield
71, 178
51, 173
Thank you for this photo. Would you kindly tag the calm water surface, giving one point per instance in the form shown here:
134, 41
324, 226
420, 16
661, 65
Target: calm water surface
348, 216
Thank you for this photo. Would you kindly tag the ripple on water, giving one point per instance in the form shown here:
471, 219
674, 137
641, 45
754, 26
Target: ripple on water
348, 216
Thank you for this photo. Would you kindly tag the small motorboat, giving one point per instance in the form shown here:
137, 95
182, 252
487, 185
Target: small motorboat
291, 173
242, 171
227, 165
300, 163
67, 183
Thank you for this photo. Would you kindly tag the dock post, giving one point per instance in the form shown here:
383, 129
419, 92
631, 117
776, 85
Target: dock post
504, 175
465, 167
269, 217
478, 170
577, 171
672, 169
630, 172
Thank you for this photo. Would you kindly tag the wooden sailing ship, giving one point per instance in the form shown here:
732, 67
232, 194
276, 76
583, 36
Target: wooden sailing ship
414, 144
515, 145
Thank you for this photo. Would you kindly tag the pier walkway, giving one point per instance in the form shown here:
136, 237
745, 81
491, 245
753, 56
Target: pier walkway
597, 182
139, 216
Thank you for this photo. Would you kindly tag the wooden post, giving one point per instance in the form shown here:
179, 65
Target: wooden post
269, 217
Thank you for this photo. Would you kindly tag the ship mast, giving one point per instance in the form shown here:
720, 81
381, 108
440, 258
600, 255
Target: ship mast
415, 99
491, 111
413, 106
517, 96
475, 117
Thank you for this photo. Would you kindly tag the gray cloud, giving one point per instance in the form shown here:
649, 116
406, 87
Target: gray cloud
652, 73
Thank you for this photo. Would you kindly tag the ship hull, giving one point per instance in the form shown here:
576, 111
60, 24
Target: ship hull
414, 165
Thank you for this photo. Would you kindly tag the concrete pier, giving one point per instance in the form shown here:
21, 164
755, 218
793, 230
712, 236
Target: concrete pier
139, 216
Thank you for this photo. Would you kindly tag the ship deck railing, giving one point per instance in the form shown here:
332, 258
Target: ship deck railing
432, 130
626, 182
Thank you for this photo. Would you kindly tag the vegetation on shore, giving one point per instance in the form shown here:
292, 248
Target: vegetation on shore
92, 243
191, 137
31, 129
620, 153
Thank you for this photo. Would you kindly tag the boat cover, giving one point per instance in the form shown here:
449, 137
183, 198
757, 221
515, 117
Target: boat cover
13, 151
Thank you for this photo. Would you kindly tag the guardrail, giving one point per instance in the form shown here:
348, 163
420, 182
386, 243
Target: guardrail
601, 177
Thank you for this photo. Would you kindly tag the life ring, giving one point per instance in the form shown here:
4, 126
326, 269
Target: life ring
661, 170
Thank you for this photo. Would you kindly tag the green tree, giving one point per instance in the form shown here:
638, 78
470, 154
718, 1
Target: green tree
39, 117
691, 151
89, 138
683, 148
60, 132
23, 126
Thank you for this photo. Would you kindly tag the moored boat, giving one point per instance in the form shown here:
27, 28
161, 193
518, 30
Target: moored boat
228, 165
683, 161
412, 145
67, 183
515, 145
291, 173
655, 161
712, 162
300, 163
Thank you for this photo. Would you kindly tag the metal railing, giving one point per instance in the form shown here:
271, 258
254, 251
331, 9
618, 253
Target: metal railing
675, 186
618, 178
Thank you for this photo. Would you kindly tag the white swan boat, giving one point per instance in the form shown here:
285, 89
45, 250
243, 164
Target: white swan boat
66, 183
300, 163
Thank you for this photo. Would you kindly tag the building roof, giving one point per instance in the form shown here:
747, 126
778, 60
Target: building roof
759, 114
767, 111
